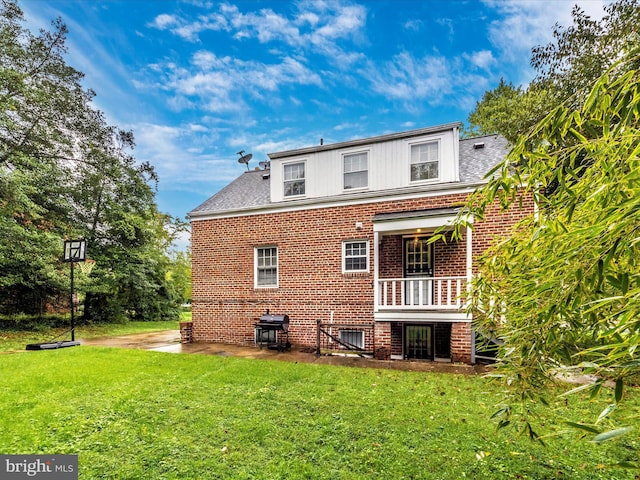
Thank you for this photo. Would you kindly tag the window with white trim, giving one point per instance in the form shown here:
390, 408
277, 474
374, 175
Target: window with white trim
266, 267
353, 338
425, 160
294, 179
355, 256
356, 170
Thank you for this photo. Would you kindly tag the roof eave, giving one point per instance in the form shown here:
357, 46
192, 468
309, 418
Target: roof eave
364, 141
448, 188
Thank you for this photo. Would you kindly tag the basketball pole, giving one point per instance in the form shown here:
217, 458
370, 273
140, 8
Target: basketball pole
72, 303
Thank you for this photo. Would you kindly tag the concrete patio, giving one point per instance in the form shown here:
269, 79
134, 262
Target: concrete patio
168, 341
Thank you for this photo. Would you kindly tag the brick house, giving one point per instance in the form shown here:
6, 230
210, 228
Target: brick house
338, 235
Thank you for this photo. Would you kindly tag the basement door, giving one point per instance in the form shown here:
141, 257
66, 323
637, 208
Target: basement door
418, 271
418, 342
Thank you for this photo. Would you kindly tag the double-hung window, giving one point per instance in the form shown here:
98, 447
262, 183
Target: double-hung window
266, 267
425, 159
294, 179
356, 170
355, 256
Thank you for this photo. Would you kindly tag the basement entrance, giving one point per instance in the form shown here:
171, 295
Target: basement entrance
427, 341
418, 342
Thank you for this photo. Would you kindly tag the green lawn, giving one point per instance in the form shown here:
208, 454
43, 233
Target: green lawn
14, 340
133, 414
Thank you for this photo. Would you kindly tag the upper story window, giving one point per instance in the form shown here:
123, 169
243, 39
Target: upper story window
356, 170
294, 179
425, 159
355, 256
266, 267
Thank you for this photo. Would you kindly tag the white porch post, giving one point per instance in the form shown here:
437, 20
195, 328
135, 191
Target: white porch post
469, 257
376, 273
469, 278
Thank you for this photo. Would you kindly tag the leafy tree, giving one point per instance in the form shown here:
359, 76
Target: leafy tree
64, 172
566, 68
507, 110
563, 292
179, 275
587, 49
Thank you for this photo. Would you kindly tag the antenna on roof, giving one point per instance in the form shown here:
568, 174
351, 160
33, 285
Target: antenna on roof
265, 165
245, 158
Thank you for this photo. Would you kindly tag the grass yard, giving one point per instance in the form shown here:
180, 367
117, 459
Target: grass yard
15, 340
133, 414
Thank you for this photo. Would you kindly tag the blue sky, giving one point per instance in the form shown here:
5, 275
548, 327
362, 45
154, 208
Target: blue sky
199, 80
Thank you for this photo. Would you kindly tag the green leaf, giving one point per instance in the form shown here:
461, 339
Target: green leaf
610, 408
619, 391
604, 436
582, 426
580, 388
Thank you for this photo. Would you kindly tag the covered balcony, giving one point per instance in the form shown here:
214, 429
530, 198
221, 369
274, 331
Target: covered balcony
416, 279
421, 293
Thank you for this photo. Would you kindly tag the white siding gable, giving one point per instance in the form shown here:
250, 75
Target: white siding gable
388, 161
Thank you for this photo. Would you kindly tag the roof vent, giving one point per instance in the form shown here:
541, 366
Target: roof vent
266, 175
478, 146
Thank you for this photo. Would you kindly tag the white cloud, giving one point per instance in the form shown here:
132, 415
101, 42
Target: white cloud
164, 21
528, 23
414, 25
317, 27
224, 83
406, 78
432, 79
189, 30
483, 59
163, 146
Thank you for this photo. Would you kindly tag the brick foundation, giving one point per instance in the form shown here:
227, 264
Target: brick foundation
186, 332
461, 342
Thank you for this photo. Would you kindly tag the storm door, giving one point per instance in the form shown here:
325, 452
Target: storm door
418, 271
418, 342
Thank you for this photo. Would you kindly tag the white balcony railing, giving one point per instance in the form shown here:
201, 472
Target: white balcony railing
422, 293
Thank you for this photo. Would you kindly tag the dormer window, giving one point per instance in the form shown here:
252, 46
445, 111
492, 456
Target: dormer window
294, 179
356, 170
425, 160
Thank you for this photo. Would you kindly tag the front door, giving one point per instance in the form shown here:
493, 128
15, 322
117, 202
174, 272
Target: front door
418, 342
418, 271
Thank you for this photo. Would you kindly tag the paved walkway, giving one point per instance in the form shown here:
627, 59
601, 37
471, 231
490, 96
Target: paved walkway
169, 341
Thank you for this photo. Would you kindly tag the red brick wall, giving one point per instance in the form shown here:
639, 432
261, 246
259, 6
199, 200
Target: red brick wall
396, 338
311, 283
460, 342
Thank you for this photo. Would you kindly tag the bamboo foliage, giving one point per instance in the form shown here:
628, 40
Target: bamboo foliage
568, 279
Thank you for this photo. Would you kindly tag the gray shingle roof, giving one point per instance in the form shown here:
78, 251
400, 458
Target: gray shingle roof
250, 190
475, 163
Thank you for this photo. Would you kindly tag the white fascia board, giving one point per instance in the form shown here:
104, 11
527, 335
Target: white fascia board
417, 317
330, 202
414, 223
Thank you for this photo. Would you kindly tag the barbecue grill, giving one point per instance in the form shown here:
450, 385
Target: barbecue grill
273, 331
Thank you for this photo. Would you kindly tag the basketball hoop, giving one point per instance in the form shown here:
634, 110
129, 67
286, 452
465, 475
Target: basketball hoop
74, 250
86, 266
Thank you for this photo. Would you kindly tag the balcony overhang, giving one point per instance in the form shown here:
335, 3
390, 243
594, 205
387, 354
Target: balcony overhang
435, 316
429, 219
